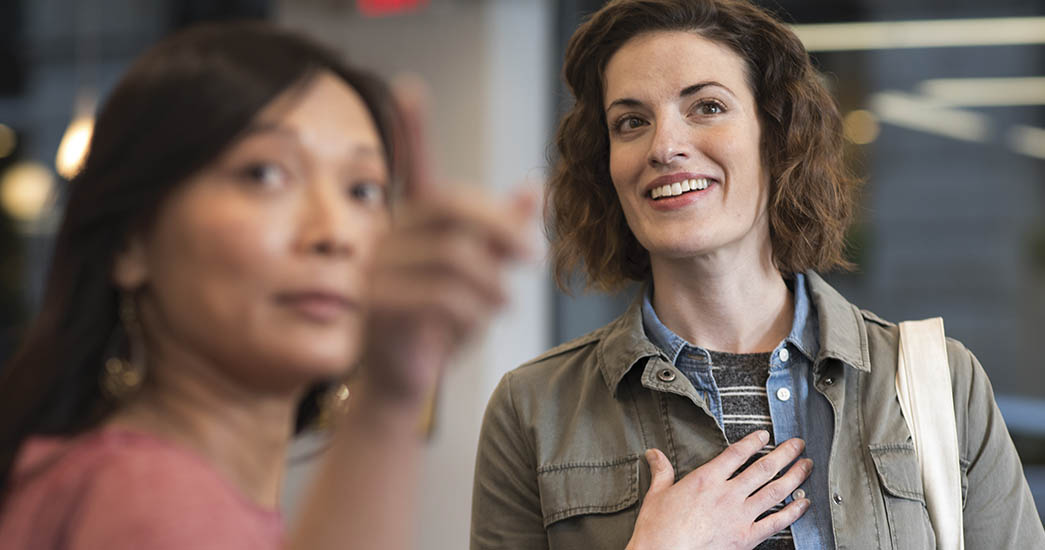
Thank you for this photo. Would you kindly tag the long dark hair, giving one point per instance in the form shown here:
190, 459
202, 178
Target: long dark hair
179, 107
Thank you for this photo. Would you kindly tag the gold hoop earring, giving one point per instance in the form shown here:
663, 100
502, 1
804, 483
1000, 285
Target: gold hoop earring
124, 370
332, 405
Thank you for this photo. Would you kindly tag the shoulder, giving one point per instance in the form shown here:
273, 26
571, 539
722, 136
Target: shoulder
554, 378
145, 493
884, 339
566, 351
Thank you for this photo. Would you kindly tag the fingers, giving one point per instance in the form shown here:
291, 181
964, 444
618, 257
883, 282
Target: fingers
455, 255
411, 95
470, 210
779, 489
767, 467
736, 455
661, 473
778, 521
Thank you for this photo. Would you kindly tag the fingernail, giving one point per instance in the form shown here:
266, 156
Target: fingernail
763, 436
803, 504
807, 465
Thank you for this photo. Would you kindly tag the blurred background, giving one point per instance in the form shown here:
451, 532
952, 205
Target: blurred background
944, 104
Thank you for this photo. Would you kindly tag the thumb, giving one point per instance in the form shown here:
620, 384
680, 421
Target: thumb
661, 472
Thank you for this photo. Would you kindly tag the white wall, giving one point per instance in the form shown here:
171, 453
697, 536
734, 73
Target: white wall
488, 65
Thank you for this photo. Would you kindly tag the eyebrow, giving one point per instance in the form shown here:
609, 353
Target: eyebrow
686, 92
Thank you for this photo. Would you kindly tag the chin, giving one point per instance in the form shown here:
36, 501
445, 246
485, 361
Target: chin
675, 249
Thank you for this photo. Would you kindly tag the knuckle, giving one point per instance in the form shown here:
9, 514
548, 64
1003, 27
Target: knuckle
766, 466
736, 453
774, 493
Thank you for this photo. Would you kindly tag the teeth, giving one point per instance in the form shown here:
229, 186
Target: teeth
679, 187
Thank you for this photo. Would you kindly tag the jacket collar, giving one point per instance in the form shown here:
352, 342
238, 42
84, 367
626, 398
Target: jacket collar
842, 334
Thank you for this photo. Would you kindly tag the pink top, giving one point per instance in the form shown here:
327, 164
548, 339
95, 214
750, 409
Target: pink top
117, 489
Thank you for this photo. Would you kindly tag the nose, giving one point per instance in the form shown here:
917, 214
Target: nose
327, 227
669, 144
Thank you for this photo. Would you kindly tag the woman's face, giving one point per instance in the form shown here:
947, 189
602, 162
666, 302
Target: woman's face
685, 154
257, 263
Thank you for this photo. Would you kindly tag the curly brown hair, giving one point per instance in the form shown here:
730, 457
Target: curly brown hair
812, 192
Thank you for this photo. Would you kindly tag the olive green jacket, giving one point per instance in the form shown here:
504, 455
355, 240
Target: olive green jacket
560, 464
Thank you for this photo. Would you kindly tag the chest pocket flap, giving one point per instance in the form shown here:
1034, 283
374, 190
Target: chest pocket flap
588, 487
897, 467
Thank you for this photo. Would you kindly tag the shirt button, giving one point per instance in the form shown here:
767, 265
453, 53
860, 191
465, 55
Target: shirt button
837, 498
784, 355
783, 394
799, 494
666, 375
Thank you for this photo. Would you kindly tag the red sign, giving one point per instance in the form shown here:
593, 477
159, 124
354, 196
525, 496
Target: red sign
380, 8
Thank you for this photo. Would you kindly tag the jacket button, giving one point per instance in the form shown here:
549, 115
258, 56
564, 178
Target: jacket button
829, 381
666, 375
837, 498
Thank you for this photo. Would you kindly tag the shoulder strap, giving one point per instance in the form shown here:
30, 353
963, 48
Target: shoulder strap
923, 385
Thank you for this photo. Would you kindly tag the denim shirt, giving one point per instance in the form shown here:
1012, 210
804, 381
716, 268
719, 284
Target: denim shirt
802, 412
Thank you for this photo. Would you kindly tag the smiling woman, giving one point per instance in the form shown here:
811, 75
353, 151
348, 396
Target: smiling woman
703, 158
228, 248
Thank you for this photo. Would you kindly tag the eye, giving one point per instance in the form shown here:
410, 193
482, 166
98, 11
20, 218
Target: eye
266, 175
627, 123
367, 192
710, 107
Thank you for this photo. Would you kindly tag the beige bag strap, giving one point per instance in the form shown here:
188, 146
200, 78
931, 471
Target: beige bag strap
923, 385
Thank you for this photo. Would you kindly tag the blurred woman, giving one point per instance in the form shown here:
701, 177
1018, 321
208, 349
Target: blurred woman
704, 158
228, 248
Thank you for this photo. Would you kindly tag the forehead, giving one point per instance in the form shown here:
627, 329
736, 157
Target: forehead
327, 115
664, 62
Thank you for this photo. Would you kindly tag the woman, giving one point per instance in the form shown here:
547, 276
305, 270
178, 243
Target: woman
228, 248
704, 157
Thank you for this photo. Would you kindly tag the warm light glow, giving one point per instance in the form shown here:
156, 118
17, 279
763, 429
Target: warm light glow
73, 148
930, 33
986, 92
26, 190
861, 127
8, 140
924, 114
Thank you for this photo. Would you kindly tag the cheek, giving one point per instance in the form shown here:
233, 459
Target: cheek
217, 258
626, 166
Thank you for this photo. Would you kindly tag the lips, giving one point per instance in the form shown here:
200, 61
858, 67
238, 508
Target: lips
318, 305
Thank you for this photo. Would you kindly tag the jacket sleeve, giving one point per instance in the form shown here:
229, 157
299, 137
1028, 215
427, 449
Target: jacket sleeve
506, 505
999, 510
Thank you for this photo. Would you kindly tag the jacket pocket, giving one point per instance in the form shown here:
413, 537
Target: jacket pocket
901, 483
597, 487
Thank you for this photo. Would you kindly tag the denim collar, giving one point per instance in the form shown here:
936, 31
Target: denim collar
803, 336
840, 334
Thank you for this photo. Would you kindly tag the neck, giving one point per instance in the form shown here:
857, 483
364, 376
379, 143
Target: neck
241, 432
734, 303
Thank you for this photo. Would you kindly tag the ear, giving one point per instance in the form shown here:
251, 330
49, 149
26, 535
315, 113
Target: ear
130, 270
